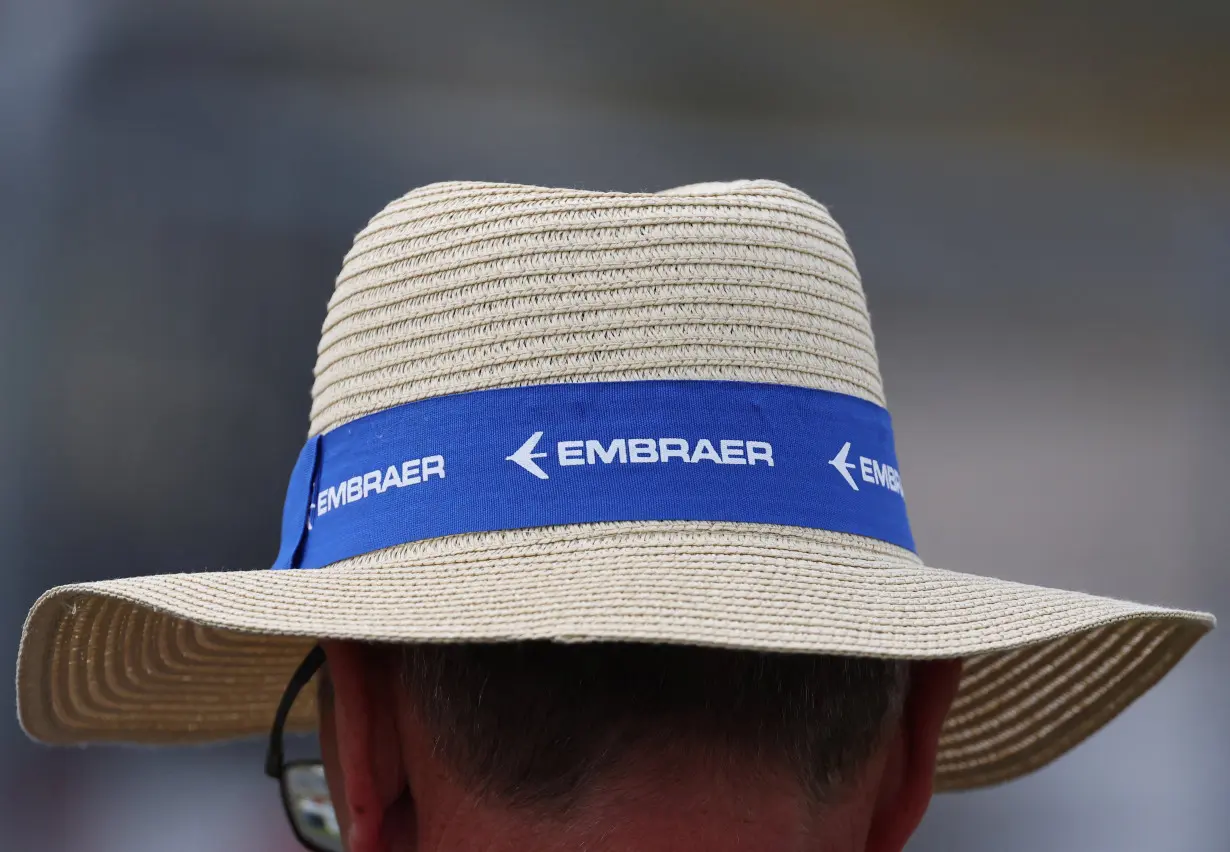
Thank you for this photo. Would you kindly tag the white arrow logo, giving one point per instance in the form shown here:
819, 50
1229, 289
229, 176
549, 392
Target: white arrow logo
840, 464
525, 456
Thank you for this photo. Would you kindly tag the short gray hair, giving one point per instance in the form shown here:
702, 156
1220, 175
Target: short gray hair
533, 724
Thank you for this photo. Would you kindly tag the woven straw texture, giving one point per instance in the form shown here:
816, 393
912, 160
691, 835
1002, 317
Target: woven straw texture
465, 286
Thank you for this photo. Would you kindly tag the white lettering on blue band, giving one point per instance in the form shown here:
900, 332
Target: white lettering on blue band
536, 456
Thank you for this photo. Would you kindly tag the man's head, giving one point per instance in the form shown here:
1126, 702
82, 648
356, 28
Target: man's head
558, 414
627, 747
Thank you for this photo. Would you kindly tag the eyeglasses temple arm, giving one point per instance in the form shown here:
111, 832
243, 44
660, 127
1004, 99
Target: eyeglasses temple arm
302, 676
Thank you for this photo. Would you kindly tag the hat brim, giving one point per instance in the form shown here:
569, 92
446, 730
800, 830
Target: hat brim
189, 658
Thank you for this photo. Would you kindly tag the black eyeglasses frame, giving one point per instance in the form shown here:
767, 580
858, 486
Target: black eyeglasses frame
276, 764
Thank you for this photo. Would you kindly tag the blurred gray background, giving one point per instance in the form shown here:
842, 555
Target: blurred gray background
1038, 193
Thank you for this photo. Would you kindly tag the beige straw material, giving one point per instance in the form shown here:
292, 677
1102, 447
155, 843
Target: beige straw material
465, 286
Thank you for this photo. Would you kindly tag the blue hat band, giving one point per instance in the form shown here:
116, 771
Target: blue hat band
514, 458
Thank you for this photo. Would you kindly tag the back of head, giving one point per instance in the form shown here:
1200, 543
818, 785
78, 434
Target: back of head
544, 725
625, 746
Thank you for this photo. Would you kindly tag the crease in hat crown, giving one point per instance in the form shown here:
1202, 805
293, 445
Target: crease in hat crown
467, 286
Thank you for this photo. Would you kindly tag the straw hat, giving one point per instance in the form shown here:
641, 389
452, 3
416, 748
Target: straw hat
458, 289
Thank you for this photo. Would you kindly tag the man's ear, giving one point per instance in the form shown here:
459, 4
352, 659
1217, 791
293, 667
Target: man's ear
362, 748
909, 772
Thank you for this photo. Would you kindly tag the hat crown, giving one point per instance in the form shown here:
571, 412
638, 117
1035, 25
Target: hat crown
466, 286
